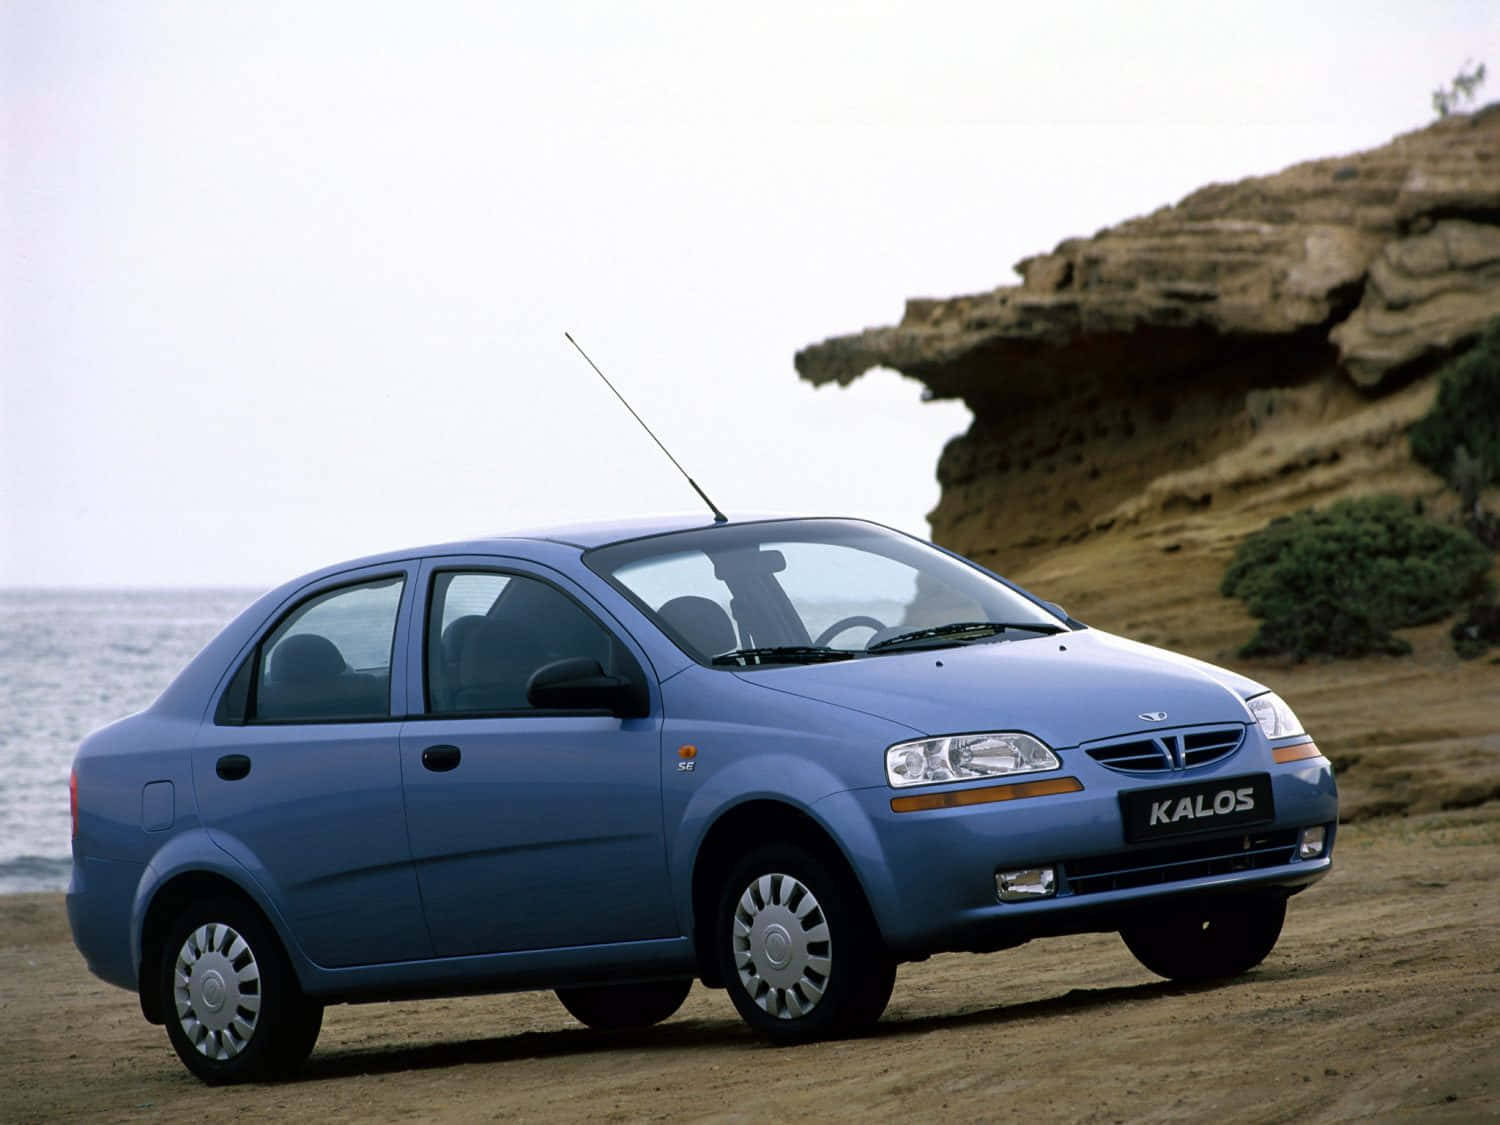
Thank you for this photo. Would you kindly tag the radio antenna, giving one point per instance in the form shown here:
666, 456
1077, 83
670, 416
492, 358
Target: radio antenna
719, 517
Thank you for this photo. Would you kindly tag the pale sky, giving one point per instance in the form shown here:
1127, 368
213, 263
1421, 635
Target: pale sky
285, 283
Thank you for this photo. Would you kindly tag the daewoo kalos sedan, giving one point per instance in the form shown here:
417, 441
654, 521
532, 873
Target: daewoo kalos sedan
777, 756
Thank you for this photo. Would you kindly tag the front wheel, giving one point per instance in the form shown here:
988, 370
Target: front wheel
609, 1007
1207, 940
234, 1010
798, 950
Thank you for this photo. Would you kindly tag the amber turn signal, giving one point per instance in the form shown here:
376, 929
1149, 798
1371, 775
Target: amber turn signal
957, 798
1296, 753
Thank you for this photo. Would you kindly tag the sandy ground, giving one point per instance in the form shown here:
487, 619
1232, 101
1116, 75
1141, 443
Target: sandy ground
1382, 1002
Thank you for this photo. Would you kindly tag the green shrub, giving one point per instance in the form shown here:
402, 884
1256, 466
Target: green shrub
1479, 629
1447, 99
1470, 477
1337, 582
1466, 414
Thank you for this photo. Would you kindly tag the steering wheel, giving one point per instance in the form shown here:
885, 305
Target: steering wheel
857, 621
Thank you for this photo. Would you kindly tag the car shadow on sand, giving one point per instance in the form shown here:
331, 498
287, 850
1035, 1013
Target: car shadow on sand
675, 1035
1073, 1001
684, 1035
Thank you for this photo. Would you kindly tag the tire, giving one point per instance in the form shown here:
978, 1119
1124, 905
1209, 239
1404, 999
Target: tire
798, 950
1207, 940
610, 1007
233, 1009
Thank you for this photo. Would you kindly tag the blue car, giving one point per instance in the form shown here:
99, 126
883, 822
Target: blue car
778, 756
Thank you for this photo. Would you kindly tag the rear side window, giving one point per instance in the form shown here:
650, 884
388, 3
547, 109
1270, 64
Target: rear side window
330, 658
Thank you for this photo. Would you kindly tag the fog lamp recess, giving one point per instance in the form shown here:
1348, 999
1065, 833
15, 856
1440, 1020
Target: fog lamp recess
1312, 843
1025, 884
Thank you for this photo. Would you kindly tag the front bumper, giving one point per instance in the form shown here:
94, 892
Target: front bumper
930, 875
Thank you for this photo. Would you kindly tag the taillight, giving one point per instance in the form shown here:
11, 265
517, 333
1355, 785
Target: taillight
73, 798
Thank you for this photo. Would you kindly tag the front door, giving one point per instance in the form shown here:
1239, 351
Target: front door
529, 829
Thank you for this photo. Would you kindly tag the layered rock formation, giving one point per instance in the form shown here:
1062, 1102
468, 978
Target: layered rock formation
1148, 366
1148, 396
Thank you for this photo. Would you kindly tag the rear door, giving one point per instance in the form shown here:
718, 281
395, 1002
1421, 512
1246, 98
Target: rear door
529, 829
298, 775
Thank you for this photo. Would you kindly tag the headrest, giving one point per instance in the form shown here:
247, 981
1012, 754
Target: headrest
500, 651
457, 634
702, 623
306, 657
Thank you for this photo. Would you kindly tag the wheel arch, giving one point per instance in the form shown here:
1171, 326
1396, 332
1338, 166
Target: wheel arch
737, 830
167, 902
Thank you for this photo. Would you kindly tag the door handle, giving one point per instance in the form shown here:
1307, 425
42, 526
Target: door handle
232, 767
441, 759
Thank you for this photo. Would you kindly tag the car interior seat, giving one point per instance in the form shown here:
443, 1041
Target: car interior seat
700, 622
308, 678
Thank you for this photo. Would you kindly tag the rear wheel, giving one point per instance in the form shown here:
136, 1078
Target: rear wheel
798, 950
611, 1006
233, 1008
1207, 940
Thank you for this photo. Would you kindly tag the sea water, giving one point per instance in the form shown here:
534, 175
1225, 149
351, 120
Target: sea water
72, 661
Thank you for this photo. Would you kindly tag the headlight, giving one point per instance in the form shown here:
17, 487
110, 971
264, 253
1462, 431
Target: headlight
1276, 719
927, 761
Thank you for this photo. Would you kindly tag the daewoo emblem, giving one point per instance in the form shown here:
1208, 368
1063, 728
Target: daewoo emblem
1152, 716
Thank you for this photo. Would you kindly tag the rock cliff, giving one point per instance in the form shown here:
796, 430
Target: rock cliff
1165, 344
1147, 396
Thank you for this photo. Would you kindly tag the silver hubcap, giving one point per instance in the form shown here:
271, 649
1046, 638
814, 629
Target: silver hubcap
216, 987
781, 946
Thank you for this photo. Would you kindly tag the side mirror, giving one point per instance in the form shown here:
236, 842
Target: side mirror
580, 684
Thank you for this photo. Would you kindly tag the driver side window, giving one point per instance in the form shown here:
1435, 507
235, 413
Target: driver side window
488, 633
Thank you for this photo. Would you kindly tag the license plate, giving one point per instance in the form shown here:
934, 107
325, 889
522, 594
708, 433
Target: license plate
1204, 806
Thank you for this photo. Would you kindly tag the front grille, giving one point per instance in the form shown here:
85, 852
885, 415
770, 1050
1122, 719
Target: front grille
1177, 863
1147, 755
1178, 750
1204, 746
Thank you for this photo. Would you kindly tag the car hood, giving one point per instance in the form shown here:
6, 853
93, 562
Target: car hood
1066, 689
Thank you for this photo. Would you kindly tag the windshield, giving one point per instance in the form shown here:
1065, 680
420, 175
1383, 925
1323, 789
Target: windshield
803, 591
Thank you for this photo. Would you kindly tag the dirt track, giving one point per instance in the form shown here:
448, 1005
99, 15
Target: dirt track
1381, 1002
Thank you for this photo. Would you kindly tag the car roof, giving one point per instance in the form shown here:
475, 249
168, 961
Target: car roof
600, 532
583, 536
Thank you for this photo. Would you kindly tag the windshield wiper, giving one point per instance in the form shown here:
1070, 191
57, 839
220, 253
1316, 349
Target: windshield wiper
959, 631
783, 654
